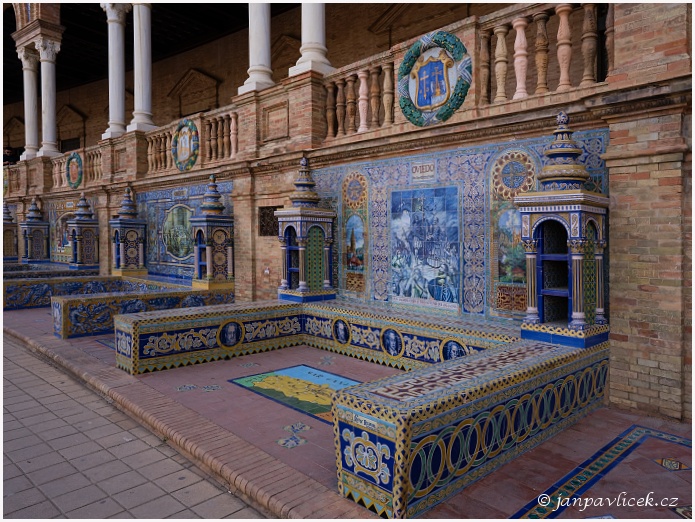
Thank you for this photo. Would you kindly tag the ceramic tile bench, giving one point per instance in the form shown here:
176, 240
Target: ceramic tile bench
30, 293
159, 340
407, 442
54, 273
77, 316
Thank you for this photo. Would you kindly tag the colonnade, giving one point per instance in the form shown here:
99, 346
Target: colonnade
45, 45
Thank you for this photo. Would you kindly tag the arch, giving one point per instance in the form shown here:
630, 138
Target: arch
564, 223
591, 221
316, 236
117, 250
71, 126
13, 134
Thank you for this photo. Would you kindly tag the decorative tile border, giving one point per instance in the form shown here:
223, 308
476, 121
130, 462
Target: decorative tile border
580, 479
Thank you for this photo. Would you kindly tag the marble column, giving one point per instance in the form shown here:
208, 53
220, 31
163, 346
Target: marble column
115, 17
260, 72
30, 61
48, 50
142, 73
531, 248
284, 283
313, 47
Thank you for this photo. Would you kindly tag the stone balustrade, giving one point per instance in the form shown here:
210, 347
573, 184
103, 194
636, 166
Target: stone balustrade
360, 97
159, 156
59, 165
572, 31
220, 140
93, 168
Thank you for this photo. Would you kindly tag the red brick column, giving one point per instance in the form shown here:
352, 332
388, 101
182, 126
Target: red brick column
649, 244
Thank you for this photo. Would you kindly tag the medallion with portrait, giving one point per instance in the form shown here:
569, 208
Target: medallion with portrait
341, 331
230, 334
452, 349
391, 342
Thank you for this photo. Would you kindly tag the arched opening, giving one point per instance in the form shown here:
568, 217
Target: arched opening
292, 258
315, 270
201, 261
116, 250
554, 273
73, 240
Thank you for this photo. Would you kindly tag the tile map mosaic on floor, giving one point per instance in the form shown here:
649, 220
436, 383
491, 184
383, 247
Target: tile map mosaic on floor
302, 388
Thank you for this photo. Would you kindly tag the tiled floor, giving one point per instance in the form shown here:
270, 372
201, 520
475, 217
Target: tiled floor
509, 491
68, 453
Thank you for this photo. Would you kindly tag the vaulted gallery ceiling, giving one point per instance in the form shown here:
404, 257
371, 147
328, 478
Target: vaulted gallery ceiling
83, 56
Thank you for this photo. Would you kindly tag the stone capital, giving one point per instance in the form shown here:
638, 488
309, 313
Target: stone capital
48, 49
116, 12
29, 57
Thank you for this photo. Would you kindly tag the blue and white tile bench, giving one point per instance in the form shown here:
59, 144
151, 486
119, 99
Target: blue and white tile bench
152, 341
408, 442
77, 316
32, 293
36, 273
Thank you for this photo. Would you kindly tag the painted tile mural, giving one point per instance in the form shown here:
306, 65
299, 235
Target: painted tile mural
469, 262
167, 212
425, 263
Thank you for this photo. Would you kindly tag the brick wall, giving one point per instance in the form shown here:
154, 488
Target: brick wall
649, 306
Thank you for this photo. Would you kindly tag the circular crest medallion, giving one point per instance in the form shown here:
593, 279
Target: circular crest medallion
185, 145
434, 78
73, 170
513, 172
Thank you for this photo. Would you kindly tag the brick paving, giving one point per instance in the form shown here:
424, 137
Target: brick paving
233, 433
68, 452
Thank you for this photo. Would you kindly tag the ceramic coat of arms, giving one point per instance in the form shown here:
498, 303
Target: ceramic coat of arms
434, 78
185, 145
73, 170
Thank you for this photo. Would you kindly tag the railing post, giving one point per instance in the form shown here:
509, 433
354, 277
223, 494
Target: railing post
610, 37
388, 93
589, 43
541, 52
375, 94
351, 108
520, 57
363, 102
208, 136
213, 138
340, 106
564, 46
330, 109
501, 63
234, 134
485, 65
225, 135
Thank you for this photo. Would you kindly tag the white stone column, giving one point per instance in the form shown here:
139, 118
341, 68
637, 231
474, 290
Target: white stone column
115, 17
30, 62
313, 47
142, 74
48, 49
260, 73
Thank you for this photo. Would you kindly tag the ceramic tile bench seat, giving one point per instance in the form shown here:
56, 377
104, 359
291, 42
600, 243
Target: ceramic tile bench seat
55, 273
77, 316
30, 293
407, 442
152, 341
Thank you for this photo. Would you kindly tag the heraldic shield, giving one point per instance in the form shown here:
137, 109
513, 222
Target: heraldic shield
432, 81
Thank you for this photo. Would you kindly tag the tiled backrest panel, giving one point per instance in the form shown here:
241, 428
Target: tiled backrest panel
219, 332
38, 274
30, 293
93, 315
